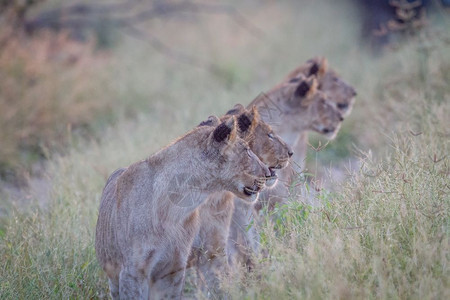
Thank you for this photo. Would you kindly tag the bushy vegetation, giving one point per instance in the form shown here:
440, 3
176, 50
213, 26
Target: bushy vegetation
382, 232
46, 92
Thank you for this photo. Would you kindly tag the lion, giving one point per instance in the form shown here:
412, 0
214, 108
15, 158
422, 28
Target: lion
311, 98
208, 251
297, 106
338, 93
289, 117
148, 215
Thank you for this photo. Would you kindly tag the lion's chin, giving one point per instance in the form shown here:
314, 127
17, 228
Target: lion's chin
250, 193
271, 181
331, 135
250, 197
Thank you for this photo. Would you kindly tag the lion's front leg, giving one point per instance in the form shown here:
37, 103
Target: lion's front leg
170, 285
212, 267
114, 288
132, 284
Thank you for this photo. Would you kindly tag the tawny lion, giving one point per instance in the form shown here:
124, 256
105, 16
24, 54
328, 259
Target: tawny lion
208, 251
148, 214
339, 94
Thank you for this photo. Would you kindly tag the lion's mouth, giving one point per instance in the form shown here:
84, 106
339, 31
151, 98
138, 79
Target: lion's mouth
273, 175
257, 186
250, 191
280, 165
328, 130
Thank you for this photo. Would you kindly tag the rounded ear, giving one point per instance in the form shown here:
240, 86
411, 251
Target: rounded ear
323, 66
225, 132
254, 112
211, 121
237, 109
306, 88
310, 95
248, 120
319, 66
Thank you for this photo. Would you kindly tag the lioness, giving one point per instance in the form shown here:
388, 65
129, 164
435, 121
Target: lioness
208, 251
148, 214
313, 98
338, 93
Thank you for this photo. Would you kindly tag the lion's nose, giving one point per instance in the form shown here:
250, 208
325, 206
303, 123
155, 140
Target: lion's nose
290, 153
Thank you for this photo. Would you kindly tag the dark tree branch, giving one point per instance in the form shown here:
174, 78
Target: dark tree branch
165, 50
121, 16
81, 15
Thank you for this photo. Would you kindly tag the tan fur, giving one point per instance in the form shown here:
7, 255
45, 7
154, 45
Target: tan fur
289, 115
309, 98
148, 214
337, 91
255, 119
209, 249
305, 68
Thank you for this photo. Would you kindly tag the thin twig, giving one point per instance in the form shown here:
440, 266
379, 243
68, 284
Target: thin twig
77, 15
88, 16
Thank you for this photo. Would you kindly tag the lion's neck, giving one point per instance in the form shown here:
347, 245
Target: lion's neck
286, 121
269, 108
182, 177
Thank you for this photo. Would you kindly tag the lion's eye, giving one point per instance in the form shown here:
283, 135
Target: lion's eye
270, 135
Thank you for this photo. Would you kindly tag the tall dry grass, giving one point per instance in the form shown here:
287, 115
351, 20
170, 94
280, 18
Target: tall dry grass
382, 233
49, 85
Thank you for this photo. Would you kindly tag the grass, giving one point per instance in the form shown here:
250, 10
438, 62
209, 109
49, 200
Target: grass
382, 233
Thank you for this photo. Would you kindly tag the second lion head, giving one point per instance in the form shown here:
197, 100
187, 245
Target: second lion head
238, 168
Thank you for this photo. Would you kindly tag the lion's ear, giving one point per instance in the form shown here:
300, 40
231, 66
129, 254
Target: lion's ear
248, 120
319, 67
254, 112
255, 118
225, 132
323, 66
237, 109
306, 88
211, 121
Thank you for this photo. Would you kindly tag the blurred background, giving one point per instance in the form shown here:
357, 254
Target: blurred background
72, 70
87, 87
